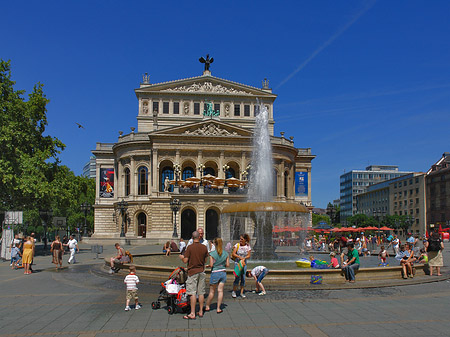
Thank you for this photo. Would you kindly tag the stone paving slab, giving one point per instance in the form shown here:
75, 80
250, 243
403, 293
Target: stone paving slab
80, 300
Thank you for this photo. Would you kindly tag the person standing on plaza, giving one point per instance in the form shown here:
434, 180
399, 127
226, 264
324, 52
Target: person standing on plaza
57, 252
351, 264
195, 257
434, 247
241, 252
218, 261
28, 254
73, 245
15, 256
14, 243
203, 241
131, 280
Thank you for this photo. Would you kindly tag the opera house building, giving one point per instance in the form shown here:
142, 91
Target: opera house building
188, 158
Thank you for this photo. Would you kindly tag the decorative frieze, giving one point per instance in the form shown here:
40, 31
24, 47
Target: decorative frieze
208, 87
210, 129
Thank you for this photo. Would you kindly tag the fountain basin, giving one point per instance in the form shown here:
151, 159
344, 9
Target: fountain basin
267, 206
288, 279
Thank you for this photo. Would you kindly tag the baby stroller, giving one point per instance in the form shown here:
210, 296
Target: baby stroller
173, 292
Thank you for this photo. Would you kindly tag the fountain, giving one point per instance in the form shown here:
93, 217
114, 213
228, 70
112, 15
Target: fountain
260, 214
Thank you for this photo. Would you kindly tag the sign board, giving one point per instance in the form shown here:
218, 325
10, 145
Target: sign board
301, 184
13, 218
59, 221
107, 183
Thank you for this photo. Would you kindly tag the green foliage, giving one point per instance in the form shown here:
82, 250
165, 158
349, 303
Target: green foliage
30, 175
317, 218
28, 159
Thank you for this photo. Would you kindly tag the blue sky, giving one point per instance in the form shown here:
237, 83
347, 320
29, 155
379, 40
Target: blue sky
359, 82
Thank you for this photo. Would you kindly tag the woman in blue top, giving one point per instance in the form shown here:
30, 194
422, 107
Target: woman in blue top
218, 261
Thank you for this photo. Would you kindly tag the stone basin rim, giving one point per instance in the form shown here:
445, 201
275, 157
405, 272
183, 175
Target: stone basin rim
266, 206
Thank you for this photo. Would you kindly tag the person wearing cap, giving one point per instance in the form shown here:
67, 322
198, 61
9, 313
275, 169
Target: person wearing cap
410, 240
334, 261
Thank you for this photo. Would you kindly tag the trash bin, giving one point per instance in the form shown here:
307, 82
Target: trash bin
97, 249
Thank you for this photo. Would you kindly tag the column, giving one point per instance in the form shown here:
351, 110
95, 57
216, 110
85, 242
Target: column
120, 180
133, 177
155, 173
221, 173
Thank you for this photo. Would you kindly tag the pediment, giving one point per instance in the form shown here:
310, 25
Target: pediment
205, 84
206, 128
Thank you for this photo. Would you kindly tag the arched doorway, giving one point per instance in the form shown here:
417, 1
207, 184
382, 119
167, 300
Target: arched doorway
188, 223
142, 224
212, 224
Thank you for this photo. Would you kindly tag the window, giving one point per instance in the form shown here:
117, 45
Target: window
196, 108
247, 110
176, 108
417, 190
143, 180
410, 181
217, 108
417, 211
417, 180
237, 110
127, 181
188, 172
395, 185
410, 192
256, 110
417, 200
156, 107
166, 172
165, 107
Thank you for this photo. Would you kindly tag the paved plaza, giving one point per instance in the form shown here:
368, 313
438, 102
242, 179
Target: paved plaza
83, 300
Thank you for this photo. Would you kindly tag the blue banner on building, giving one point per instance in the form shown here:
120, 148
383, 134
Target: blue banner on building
301, 184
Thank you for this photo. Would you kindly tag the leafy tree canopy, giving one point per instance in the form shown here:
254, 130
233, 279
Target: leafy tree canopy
28, 159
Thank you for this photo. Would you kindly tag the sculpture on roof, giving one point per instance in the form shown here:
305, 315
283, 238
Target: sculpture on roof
206, 61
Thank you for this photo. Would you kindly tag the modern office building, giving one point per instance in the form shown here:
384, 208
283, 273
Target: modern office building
438, 192
193, 144
356, 181
90, 168
403, 196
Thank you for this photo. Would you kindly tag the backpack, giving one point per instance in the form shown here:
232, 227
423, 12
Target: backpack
434, 245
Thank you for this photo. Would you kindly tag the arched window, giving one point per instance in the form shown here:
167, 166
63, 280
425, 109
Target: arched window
209, 170
275, 183
127, 181
143, 180
286, 184
166, 172
230, 173
188, 172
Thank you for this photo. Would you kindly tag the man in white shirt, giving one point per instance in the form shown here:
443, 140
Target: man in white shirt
203, 241
72, 244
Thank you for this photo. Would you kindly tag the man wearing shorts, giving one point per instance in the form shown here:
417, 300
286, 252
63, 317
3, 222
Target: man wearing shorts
195, 257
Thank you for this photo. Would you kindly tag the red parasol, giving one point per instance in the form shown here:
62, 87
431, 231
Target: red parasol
384, 228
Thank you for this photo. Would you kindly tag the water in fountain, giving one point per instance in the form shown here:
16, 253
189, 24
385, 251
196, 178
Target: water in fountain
259, 215
261, 172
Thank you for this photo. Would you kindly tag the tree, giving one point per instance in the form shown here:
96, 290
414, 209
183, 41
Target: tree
28, 159
316, 218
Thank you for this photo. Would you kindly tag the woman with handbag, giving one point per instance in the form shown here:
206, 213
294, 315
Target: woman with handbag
240, 254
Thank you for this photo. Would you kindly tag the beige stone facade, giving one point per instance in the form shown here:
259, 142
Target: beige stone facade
173, 133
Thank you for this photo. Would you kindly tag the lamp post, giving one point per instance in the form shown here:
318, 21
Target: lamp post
330, 210
175, 205
376, 214
45, 216
225, 169
122, 206
410, 221
85, 207
176, 171
201, 169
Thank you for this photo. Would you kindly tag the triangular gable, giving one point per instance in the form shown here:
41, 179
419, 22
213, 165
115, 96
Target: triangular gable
205, 84
207, 127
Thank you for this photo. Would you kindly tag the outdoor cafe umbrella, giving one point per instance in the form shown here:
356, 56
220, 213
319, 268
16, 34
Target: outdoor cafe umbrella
193, 179
384, 228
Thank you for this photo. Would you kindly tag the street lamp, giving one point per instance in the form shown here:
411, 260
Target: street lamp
201, 169
176, 171
85, 207
122, 206
225, 169
45, 216
376, 215
410, 220
175, 205
330, 210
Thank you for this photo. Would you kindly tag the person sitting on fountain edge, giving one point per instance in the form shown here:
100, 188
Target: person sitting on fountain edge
351, 264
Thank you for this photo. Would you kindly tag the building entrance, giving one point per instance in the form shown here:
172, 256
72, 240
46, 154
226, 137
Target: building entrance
188, 223
212, 224
142, 225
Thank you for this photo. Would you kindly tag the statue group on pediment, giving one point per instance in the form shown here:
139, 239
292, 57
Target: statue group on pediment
210, 130
208, 87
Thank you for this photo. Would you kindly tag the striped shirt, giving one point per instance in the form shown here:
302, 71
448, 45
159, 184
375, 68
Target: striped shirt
131, 280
